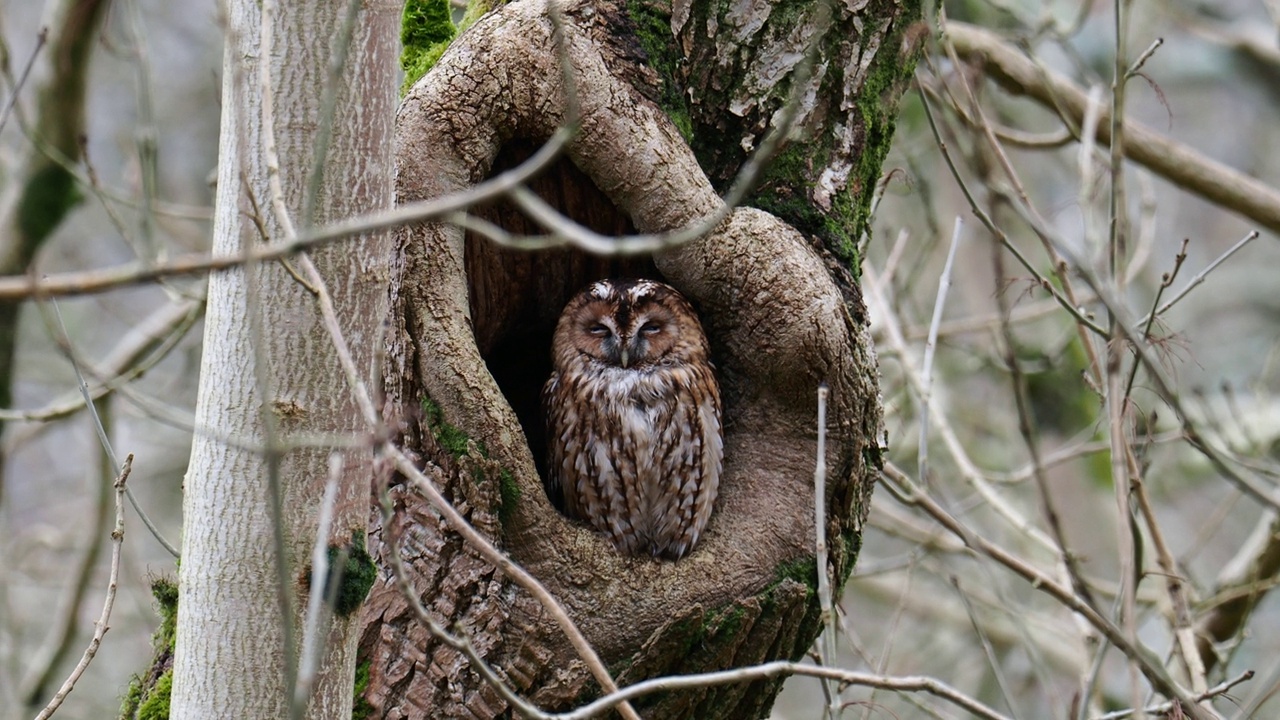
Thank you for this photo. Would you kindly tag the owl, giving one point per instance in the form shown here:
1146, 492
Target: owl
633, 417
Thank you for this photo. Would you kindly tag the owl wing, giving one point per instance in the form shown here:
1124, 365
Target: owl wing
554, 422
690, 469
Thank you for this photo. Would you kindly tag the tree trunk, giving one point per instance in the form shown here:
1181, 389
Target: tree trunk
270, 378
472, 328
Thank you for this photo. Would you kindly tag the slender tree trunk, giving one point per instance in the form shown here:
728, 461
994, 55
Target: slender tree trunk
270, 384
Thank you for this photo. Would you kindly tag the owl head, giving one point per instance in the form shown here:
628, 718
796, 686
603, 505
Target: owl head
631, 324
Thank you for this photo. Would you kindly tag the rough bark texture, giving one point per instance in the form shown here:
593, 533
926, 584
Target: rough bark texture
270, 374
470, 349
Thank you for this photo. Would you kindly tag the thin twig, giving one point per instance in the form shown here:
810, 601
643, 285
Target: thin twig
100, 627
42, 663
1165, 281
993, 661
1136, 67
827, 642
1138, 654
95, 187
315, 631
1124, 529
1174, 582
41, 38
145, 133
930, 345
1020, 314
1073, 452
64, 341
891, 635
1200, 276
147, 342
1165, 708
780, 668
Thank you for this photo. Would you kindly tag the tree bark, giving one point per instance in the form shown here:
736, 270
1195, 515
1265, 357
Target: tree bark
472, 327
269, 374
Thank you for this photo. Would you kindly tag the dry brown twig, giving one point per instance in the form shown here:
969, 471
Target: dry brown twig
1139, 655
1188, 168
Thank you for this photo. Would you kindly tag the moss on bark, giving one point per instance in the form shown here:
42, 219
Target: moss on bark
148, 695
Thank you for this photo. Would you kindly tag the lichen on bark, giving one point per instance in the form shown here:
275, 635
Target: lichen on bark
741, 65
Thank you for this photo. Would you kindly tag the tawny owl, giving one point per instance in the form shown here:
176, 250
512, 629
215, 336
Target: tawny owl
633, 417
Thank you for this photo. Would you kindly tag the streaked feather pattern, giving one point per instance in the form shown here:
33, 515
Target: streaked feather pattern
633, 417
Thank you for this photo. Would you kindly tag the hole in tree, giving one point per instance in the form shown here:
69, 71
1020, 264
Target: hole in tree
516, 295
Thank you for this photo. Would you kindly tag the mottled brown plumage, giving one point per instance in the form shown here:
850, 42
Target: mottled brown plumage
633, 417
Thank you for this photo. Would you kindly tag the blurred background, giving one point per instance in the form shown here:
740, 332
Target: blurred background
50, 499
918, 603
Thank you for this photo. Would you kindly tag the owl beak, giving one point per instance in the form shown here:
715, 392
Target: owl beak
625, 359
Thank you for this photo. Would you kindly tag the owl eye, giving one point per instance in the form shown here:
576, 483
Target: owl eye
599, 330
650, 329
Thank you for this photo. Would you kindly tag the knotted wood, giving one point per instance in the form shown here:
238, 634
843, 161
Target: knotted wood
471, 327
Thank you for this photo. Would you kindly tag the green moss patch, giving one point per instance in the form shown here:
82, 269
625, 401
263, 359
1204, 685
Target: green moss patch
148, 695
510, 494
426, 29
473, 458
450, 437
156, 706
47, 198
353, 569
361, 709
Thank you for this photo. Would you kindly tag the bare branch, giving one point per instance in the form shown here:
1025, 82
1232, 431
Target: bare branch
1178, 163
41, 38
100, 627
1166, 708
827, 640
775, 669
1141, 656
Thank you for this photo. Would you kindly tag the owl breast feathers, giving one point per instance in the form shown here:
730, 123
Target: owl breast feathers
633, 417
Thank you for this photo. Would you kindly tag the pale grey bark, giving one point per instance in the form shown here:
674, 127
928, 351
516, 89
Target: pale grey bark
269, 374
